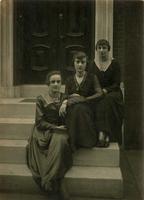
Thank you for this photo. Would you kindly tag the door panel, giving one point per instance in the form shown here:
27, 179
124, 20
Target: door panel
52, 32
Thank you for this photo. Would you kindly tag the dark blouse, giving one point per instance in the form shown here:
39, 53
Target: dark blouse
47, 112
109, 79
87, 87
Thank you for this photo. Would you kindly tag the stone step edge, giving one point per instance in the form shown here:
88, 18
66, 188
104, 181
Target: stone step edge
17, 120
16, 101
13, 143
23, 143
14, 170
91, 172
26, 196
76, 172
9, 195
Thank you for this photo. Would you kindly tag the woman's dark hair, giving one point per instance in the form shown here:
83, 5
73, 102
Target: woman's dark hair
103, 42
79, 55
54, 72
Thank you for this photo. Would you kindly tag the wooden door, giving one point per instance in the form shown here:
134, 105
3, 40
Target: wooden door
47, 33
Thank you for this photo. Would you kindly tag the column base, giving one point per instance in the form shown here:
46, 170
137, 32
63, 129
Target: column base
10, 92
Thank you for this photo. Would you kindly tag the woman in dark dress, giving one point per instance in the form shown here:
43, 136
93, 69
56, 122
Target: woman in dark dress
48, 152
83, 90
111, 107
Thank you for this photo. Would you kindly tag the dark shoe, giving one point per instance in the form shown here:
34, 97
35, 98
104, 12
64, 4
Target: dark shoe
107, 141
63, 193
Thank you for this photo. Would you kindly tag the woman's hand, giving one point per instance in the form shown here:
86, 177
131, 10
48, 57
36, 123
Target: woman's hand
42, 142
62, 110
74, 95
61, 130
75, 99
61, 127
104, 91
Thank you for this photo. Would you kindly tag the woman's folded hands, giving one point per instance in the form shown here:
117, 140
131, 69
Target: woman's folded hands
71, 100
75, 98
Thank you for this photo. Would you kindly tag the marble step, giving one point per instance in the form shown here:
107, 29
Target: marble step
79, 181
102, 182
15, 128
15, 108
35, 90
14, 151
17, 178
20, 196
98, 156
89, 198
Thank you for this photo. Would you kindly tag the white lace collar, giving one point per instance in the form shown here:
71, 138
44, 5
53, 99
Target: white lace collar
48, 99
103, 66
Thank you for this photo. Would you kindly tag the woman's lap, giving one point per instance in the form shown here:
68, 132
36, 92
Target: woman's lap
80, 124
51, 163
109, 114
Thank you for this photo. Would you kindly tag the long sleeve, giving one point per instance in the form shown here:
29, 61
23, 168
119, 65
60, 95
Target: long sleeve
40, 122
97, 86
98, 90
67, 88
116, 78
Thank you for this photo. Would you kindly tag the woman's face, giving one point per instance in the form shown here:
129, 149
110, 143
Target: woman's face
55, 83
80, 65
102, 51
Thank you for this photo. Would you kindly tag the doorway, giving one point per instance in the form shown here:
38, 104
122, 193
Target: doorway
47, 33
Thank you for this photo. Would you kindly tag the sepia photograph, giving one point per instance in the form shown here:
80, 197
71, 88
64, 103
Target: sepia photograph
71, 99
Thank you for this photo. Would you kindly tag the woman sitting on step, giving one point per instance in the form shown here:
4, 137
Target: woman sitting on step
48, 152
84, 92
111, 107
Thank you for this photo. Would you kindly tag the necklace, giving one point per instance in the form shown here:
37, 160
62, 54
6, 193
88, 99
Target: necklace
55, 97
103, 65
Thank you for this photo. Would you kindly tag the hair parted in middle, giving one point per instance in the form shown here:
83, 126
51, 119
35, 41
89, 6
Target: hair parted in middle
102, 42
79, 55
51, 73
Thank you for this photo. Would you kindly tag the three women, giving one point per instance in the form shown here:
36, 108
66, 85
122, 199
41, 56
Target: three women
92, 109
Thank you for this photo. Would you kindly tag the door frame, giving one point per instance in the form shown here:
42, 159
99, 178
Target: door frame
19, 44
103, 20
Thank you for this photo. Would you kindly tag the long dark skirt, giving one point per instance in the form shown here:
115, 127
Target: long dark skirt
49, 163
80, 125
109, 113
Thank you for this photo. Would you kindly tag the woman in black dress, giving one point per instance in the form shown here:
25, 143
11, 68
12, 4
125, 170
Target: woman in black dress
83, 91
48, 152
111, 107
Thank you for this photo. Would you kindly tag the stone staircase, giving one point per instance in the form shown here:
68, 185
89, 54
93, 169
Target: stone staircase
95, 175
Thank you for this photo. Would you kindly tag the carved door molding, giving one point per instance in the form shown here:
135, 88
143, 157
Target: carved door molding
47, 34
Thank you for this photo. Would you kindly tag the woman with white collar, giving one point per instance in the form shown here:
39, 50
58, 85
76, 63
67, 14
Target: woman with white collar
111, 107
48, 152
